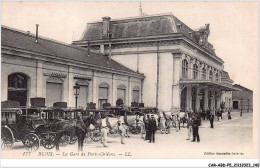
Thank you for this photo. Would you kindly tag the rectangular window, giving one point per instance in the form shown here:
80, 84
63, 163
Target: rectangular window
102, 97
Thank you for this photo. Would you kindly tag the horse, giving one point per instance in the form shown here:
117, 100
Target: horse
76, 127
182, 117
176, 121
112, 126
164, 122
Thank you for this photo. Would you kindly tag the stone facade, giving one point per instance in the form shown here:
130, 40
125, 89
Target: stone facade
159, 52
41, 71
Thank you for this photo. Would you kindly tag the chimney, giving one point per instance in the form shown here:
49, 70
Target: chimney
106, 26
36, 33
140, 9
109, 46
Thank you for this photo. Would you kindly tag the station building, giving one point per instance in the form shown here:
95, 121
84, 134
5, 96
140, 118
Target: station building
181, 68
33, 66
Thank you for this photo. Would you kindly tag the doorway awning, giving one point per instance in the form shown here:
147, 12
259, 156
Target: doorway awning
208, 83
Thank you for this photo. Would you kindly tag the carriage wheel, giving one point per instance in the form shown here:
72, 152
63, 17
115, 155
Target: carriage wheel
132, 129
49, 142
137, 129
88, 136
6, 138
64, 140
31, 142
72, 139
96, 135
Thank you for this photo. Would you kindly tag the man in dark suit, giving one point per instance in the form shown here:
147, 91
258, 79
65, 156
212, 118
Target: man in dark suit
211, 119
208, 114
152, 128
195, 128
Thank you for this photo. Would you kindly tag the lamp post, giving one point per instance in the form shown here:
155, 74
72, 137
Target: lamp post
241, 105
76, 93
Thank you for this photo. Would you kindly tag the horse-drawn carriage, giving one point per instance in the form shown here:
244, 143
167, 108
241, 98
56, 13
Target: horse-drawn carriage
35, 126
14, 128
25, 124
94, 133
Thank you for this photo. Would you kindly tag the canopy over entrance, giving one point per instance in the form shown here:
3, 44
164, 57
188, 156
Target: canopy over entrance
209, 83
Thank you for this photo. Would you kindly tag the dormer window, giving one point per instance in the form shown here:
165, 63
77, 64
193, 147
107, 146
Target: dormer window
201, 41
191, 35
179, 25
203, 34
205, 38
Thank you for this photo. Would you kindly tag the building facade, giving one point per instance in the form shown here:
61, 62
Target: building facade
243, 98
41, 67
227, 95
181, 67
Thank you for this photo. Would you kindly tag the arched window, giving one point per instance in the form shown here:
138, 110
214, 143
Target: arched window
210, 75
17, 88
195, 71
102, 94
185, 69
216, 77
136, 93
204, 74
53, 91
121, 90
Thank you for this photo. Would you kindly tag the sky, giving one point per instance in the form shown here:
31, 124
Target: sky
233, 25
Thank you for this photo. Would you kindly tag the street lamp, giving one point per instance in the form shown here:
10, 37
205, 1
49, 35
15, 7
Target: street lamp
76, 93
241, 105
248, 105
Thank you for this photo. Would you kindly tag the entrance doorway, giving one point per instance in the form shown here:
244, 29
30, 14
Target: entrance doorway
209, 100
202, 98
183, 99
235, 104
216, 101
193, 99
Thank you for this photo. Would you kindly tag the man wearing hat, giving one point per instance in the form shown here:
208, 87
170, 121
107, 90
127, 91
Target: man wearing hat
152, 128
195, 128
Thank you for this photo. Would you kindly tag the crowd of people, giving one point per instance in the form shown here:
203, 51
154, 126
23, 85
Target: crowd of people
192, 120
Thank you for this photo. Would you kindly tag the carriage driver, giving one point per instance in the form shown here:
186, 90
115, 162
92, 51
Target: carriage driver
104, 127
